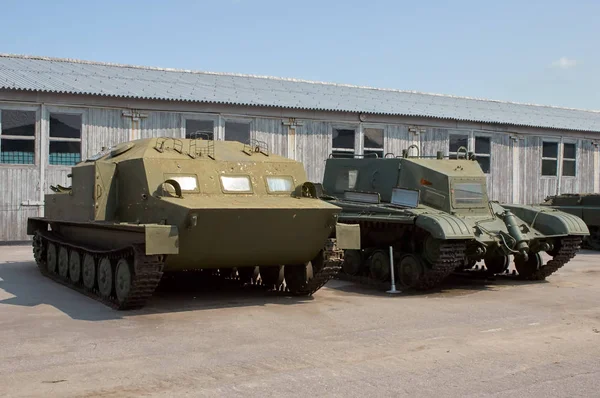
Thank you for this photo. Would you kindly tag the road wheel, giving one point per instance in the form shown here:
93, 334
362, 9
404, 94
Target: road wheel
74, 266
89, 271
353, 262
51, 258
123, 279
105, 278
379, 265
410, 270
528, 269
497, 263
63, 262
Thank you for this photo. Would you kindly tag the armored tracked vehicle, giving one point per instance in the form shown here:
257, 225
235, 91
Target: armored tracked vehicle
584, 206
158, 205
436, 214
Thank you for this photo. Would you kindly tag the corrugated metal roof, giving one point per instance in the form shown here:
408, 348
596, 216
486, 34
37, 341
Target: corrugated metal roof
82, 77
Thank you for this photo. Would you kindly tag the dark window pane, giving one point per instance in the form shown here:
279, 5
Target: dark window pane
482, 145
65, 153
199, 129
64, 125
550, 150
371, 153
569, 151
342, 154
548, 167
456, 141
484, 162
373, 138
18, 123
235, 131
568, 168
17, 151
343, 139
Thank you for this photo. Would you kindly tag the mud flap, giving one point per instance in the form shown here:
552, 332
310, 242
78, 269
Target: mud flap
347, 236
161, 239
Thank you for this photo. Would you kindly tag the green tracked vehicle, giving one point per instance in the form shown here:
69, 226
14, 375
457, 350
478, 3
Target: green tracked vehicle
435, 213
584, 206
160, 205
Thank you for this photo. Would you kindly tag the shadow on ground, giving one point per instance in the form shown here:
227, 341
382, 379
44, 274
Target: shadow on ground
30, 288
454, 285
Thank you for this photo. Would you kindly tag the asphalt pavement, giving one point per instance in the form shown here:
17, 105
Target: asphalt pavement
473, 337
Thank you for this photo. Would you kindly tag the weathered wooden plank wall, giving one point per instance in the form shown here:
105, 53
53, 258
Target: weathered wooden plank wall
273, 132
18, 184
313, 146
500, 179
104, 127
161, 124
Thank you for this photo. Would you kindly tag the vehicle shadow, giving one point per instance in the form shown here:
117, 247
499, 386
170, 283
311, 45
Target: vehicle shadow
454, 285
29, 288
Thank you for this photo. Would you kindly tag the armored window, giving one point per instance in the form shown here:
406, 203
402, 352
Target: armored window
65, 139
203, 129
17, 137
346, 179
483, 153
187, 182
278, 184
569, 160
236, 184
457, 141
468, 194
549, 158
342, 143
237, 131
373, 142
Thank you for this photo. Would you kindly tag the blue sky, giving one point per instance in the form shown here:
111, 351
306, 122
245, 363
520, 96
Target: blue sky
544, 52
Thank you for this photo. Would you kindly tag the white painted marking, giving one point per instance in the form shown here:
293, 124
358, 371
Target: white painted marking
491, 330
534, 324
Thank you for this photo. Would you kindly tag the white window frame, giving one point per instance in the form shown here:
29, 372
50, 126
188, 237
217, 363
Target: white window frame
477, 155
82, 137
362, 138
465, 133
575, 159
200, 117
35, 138
235, 119
557, 159
357, 138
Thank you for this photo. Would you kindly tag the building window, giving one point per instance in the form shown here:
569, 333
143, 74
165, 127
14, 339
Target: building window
483, 153
569, 163
549, 158
342, 143
373, 142
237, 131
17, 143
65, 139
204, 129
455, 142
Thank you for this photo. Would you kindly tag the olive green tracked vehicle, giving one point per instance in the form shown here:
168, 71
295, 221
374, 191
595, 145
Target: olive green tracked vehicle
585, 206
151, 206
436, 214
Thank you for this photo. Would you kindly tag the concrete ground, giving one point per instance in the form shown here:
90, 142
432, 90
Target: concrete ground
473, 338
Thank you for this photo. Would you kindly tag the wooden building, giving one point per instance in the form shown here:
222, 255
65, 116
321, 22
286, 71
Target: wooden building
56, 112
